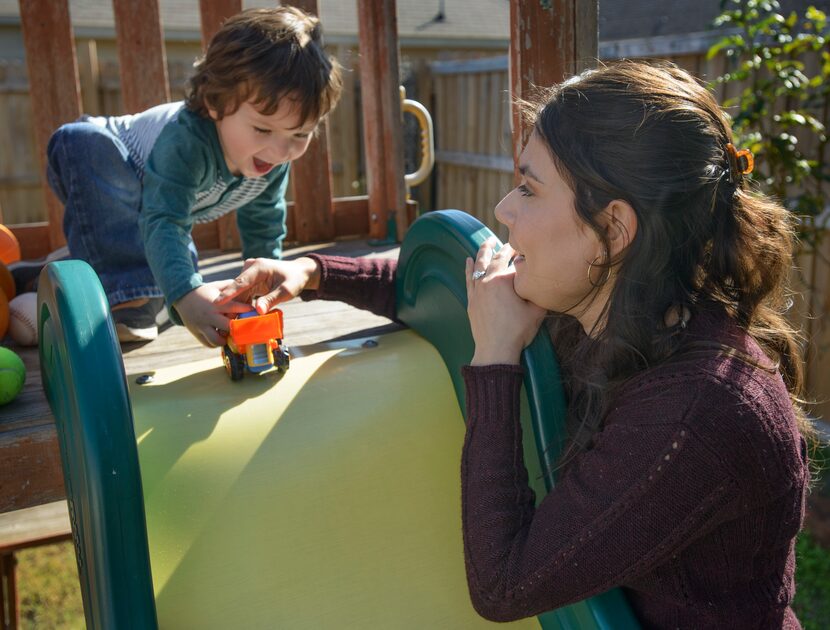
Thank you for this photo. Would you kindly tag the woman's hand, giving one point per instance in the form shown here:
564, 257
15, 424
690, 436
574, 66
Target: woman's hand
502, 322
269, 281
206, 321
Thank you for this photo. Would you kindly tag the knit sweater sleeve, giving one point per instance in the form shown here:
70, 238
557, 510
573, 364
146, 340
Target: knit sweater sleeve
365, 283
623, 508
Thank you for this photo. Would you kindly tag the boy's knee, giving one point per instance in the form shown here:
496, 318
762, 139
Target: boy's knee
72, 137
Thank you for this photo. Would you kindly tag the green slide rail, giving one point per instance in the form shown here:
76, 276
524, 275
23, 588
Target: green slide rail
86, 386
85, 383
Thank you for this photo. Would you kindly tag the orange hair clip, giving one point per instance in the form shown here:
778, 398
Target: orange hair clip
740, 162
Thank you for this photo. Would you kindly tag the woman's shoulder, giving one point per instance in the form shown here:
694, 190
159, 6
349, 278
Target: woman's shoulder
717, 355
726, 392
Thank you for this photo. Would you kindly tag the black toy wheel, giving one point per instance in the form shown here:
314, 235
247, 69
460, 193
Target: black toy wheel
282, 358
234, 363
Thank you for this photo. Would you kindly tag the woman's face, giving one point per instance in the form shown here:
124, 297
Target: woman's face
554, 247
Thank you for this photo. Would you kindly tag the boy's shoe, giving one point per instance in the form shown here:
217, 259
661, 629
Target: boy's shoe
136, 321
26, 272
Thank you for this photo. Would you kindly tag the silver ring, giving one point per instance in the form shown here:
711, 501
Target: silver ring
477, 275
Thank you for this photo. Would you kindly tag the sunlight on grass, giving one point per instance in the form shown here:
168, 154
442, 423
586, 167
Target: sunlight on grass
47, 585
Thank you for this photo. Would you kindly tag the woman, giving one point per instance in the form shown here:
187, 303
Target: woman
662, 277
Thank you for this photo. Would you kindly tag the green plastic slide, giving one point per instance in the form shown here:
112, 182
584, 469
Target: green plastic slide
325, 497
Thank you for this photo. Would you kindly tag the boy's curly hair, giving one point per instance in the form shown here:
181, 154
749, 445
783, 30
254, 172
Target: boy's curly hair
265, 55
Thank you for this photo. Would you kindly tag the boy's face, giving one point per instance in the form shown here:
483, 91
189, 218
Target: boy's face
254, 143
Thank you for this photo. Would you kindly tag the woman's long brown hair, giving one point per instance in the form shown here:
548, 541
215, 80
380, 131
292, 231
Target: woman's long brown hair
653, 136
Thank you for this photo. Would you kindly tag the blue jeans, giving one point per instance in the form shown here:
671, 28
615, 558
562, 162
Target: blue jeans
91, 172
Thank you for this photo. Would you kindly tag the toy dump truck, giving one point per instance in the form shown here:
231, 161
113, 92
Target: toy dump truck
255, 344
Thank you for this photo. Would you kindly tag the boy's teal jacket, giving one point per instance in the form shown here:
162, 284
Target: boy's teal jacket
187, 181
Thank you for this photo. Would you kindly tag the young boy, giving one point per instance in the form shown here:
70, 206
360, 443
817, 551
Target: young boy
133, 186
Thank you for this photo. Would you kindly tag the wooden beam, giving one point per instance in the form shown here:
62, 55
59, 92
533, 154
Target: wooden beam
382, 120
33, 238
311, 183
311, 177
546, 47
30, 469
213, 14
54, 86
141, 56
350, 218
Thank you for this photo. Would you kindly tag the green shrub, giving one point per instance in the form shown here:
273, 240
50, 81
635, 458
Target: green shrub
782, 100
812, 581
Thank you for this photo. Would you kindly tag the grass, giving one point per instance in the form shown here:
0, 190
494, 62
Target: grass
51, 598
812, 581
47, 585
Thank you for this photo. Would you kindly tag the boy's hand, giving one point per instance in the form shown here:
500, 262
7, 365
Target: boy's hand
270, 281
206, 321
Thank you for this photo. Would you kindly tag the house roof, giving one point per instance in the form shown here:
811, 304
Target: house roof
470, 23
479, 21
637, 19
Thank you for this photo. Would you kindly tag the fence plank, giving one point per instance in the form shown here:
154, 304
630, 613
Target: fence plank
53, 84
141, 54
90, 76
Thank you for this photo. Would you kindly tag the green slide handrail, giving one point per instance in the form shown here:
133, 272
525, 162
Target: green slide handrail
432, 299
85, 384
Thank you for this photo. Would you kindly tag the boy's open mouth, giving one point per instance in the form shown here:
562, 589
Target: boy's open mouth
262, 167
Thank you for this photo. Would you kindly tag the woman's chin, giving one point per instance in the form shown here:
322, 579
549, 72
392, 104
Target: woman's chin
520, 290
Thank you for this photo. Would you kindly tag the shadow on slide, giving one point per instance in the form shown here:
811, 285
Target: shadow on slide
325, 497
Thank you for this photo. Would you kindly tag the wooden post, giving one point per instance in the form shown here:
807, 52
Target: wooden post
311, 177
213, 13
53, 85
382, 120
9, 602
547, 46
141, 55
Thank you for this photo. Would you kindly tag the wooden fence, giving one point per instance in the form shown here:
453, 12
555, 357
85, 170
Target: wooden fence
474, 149
474, 154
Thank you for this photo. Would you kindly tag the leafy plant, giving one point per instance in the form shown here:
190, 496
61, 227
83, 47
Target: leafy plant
783, 107
812, 583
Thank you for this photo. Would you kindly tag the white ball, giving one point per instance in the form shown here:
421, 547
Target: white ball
23, 319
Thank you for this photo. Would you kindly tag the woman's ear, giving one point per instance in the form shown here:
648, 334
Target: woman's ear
620, 226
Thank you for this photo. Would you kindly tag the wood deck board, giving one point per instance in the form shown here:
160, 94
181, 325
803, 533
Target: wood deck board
30, 473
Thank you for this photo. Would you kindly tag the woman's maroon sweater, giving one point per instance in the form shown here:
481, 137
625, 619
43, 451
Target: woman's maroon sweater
689, 498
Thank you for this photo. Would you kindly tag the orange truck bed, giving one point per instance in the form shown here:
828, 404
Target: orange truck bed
258, 329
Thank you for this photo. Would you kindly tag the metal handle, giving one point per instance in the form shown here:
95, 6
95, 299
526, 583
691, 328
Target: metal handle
424, 119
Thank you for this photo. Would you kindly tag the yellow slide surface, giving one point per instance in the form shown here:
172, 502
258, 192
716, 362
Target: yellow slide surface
328, 497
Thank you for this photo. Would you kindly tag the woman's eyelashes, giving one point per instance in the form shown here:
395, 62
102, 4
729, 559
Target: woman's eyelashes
524, 191
262, 131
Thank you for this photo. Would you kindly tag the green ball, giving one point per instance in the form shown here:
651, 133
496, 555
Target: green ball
12, 375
